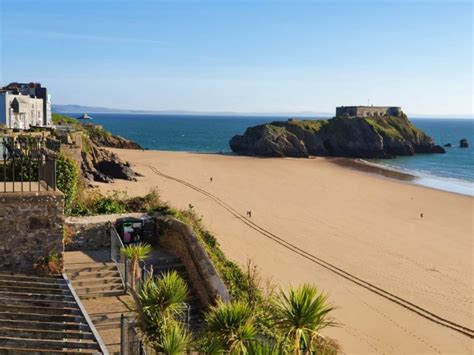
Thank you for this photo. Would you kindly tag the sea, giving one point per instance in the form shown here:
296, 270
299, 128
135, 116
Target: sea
453, 171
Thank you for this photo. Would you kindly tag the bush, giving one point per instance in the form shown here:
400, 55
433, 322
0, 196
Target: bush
67, 179
107, 205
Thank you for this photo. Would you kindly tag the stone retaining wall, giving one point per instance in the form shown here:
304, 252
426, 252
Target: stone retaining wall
178, 238
31, 226
90, 232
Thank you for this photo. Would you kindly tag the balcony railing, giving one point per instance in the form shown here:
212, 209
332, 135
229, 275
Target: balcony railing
26, 165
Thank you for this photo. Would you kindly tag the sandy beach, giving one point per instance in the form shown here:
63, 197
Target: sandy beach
331, 218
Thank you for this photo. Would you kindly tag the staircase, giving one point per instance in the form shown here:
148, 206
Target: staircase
95, 279
39, 315
97, 282
166, 263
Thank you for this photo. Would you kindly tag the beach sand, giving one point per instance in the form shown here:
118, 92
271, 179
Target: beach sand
367, 225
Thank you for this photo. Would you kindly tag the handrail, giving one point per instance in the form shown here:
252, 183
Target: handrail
116, 256
89, 322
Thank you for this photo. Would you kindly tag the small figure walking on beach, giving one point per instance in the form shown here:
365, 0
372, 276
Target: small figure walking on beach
249, 214
421, 215
210, 179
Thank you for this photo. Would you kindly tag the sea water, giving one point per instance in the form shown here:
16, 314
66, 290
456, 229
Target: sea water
453, 171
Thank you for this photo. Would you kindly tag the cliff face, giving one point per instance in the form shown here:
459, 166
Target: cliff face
356, 137
103, 138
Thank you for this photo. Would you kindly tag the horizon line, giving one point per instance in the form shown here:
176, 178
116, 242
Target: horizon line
247, 113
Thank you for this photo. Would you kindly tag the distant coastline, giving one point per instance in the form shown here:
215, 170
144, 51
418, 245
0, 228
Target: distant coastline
210, 134
79, 109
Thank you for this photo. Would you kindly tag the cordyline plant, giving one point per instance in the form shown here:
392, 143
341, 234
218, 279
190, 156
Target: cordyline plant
301, 314
136, 253
160, 306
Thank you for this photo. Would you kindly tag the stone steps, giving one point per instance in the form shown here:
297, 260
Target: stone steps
74, 269
92, 275
100, 294
115, 286
48, 343
95, 280
8, 307
80, 282
12, 276
34, 289
36, 296
28, 283
46, 334
40, 315
26, 324
29, 302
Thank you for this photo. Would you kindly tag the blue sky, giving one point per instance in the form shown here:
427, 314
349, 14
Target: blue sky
243, 56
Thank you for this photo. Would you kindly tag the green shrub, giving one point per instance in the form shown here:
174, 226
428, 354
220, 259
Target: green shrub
108, 204
59, 119
67, 178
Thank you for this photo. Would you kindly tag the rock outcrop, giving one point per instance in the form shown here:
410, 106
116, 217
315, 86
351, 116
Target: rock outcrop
463, 143
103, 165
357, 137
103, 138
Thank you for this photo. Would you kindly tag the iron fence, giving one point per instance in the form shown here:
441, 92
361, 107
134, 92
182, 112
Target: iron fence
26, 165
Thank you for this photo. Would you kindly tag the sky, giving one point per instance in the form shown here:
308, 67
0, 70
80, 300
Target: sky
243, 56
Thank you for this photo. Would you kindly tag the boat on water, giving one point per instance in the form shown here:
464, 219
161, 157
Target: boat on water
85, 116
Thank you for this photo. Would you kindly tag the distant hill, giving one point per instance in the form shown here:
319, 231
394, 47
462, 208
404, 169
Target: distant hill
94, 109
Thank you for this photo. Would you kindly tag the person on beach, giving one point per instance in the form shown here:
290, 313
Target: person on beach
210, 179
421, 215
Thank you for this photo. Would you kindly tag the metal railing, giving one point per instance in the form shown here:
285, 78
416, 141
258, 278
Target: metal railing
131, 343
117, 257
26, 165
95, 333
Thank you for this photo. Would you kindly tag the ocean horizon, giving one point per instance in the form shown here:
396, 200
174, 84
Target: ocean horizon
452, 171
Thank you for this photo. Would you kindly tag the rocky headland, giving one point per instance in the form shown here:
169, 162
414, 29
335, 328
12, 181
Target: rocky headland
355, 137
87, 144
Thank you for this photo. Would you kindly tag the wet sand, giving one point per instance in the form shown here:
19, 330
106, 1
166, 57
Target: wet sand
369, 227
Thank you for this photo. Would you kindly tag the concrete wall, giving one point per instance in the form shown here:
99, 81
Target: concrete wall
179, 239
31, 226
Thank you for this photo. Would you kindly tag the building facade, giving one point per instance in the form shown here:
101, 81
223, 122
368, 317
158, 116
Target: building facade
368, 111
23, 105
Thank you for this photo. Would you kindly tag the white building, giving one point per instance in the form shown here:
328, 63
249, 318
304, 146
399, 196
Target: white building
25, 105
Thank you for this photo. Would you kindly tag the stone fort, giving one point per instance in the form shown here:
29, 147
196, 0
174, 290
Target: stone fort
368, 111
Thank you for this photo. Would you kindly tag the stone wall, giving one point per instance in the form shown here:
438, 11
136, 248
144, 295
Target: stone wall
31, 225
367, 111
90, 233
179, 239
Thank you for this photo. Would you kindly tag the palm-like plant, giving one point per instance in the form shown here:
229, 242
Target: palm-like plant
136, 253
265, 347
160, 302
174, 340
232, 325
301, 314
164, 295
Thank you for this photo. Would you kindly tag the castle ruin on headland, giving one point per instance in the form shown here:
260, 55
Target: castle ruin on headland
368, 111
